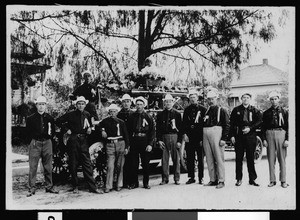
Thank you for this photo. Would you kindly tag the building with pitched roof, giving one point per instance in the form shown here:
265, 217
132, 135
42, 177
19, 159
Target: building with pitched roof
257, 80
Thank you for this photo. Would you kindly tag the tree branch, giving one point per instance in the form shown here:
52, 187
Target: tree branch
41, 18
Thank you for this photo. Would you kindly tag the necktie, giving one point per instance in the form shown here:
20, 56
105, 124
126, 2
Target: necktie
82, 120
245, 118
139, 122
42, 124
167, 121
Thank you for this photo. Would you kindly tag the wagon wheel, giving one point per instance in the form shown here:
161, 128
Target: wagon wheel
98, 159
258, 150
60, 167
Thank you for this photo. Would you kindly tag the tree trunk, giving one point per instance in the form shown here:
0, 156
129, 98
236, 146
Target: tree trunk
141, 41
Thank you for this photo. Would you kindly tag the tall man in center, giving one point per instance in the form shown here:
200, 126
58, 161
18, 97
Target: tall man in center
193, 129
142, 133
168, 136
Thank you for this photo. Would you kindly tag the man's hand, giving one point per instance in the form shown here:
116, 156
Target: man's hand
89, 130
232, 140
178, 145
185, 138
104, 134
286, 143
161, 145
222, 143
148, 148
265, 143
126, 151
246, 130
201, 143
69, 131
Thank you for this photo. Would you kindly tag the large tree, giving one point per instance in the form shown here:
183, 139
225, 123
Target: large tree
199, 39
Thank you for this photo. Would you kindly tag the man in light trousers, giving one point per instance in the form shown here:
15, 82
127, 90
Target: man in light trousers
215, 132
275, 135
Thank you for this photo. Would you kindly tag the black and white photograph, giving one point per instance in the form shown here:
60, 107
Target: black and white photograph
150, 108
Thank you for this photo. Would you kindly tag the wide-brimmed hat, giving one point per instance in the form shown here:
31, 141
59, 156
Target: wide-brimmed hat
113, 107
193, 92
126, 97
246, 93
168, 97
81, 99
141, 98
86, 73
41, 99
273, 94
212, 94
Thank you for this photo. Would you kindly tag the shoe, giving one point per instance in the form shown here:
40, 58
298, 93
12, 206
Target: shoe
211, 183
284, 185
97, 191
253, 183
75, 190
177, 182
30, 193
272, 184
147, 187
118, 189
220, 185
106, 190
164, 182
238, 182
190, 181
51, 190
201, 181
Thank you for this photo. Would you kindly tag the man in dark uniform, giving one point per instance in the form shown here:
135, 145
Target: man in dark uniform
275, 129
115, 134
215, 132
244, 120
40, 128
89, 92
78, 126
124, 114
193, 129
142, 133
168, 125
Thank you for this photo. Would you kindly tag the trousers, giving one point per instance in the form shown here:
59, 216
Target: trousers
138, 150
214, 153
246, 143
37, 150
193, 148
115, 163
78, 151
275, 139
170, 141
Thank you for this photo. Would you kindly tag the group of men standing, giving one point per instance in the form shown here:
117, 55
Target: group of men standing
129, 137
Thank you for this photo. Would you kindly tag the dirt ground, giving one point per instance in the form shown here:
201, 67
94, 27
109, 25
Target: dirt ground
170, 196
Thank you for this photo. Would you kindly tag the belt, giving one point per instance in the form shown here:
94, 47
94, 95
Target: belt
139, 135
278, 129
115, 139
41, 139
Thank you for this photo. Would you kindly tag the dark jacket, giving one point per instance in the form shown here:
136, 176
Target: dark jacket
72, 120
237, 121
85, 90
194, 130
271, 120
34, 127
110, 125
137, 124
210, 119
164, 123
